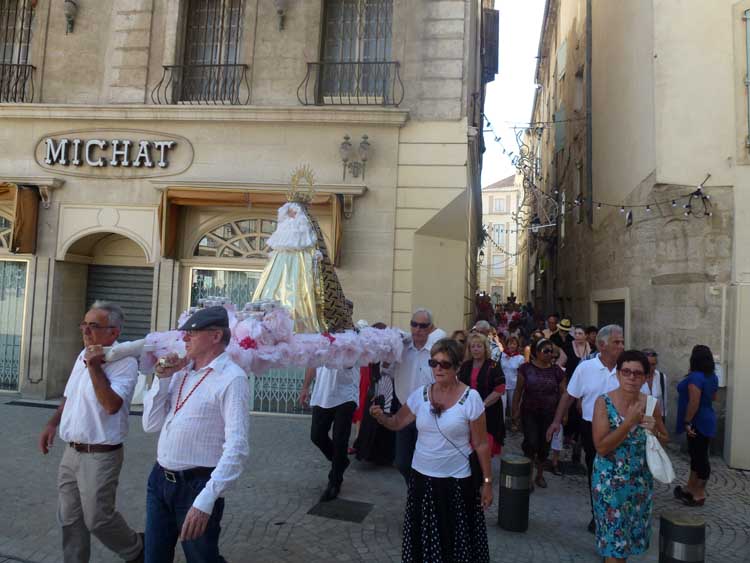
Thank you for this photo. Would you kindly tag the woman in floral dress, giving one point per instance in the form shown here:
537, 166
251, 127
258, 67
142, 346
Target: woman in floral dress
622, 485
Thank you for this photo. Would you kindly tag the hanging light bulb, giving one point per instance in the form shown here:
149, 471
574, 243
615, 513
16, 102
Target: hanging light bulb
648, 209
598, 205
622, 209
674, 203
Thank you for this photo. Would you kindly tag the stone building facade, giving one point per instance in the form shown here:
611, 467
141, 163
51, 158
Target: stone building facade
498, 272
638, 103
146, 145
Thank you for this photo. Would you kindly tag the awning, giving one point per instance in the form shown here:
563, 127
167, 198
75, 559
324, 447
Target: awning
324, 206
19, 206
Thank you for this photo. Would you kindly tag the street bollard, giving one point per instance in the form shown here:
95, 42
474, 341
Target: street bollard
682, 538
515, 478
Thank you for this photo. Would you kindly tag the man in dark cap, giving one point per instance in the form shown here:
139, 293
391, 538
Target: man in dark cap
200, 403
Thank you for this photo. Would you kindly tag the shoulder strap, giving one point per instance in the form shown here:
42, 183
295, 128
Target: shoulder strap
425, 395
663, 381
465, 396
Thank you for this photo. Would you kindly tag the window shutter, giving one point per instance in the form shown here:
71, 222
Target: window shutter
490, 40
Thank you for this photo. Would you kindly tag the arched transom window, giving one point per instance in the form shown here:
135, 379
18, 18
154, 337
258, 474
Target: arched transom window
243, 238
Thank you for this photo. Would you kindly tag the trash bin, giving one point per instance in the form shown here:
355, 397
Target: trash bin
682, 538
515, 478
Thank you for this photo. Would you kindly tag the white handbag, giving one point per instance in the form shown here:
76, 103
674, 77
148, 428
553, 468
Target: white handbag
656, 458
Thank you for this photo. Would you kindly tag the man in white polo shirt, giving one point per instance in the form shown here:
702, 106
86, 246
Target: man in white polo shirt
411, 373
591, 379
334, 399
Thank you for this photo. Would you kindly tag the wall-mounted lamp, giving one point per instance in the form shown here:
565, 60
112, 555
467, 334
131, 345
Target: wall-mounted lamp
70, 8
281, 7
346, 150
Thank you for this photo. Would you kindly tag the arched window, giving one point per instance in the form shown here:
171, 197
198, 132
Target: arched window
242, 238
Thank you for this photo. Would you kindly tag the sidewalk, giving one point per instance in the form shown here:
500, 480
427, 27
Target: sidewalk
266, 516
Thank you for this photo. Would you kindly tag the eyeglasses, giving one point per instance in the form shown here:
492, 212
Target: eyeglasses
546, 351
443, 364
632, 373
92, 326
415, 324
194, 333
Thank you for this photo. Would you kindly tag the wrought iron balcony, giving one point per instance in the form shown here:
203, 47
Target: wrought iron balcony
202, 84
352, 84
16, 83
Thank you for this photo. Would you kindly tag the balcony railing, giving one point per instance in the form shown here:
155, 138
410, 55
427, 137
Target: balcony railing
16, 83
352, 84
202, 84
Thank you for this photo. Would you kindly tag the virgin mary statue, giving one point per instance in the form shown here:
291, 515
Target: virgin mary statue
300, 274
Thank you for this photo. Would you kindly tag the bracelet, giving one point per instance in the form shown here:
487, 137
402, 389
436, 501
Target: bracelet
488, 480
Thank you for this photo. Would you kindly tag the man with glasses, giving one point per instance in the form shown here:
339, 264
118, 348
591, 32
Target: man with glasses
591, 379
201, 405
411, 373
93, 423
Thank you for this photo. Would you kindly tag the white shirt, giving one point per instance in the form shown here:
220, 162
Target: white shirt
510, 365
412, 372
209, 430
84, 420
656, 391
334, 387
434, 454
590, 380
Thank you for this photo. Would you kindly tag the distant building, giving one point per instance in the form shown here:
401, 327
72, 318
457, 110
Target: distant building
637, 103
498, 271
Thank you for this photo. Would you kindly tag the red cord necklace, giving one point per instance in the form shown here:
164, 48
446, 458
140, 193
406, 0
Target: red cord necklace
178, 405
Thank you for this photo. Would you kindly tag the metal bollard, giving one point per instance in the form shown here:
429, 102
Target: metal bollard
682, 538
515, 478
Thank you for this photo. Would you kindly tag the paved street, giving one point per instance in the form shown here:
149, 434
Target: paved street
266, 517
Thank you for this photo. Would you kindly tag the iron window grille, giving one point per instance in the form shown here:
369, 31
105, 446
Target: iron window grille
356, 66
210, 72
16, 74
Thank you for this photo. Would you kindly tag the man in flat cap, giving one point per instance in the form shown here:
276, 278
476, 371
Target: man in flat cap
201, 405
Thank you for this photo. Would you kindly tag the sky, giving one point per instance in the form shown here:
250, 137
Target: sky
511, 96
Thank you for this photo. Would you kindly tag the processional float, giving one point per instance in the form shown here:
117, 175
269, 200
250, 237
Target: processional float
298, 315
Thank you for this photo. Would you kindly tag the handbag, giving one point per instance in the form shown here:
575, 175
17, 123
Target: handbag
477, 477
657, 459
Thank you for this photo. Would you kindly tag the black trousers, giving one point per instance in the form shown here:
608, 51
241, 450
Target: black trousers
589, 452
698, 450
335, 450
535, 445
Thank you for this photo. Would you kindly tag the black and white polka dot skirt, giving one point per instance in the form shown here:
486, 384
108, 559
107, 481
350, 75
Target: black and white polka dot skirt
444, 522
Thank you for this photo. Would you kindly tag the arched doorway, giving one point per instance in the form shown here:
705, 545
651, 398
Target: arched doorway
117, 270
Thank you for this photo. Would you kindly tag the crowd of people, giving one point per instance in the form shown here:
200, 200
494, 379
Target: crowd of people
439, 414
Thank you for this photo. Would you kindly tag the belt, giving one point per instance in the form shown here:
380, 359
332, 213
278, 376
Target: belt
186, 474
94, 448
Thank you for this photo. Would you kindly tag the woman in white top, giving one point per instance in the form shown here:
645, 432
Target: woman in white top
510, 361
444, 518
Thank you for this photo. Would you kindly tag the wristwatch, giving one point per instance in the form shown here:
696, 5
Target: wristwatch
487, 480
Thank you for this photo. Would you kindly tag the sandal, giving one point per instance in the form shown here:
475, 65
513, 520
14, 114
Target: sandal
688, 500
556, 470
540, 482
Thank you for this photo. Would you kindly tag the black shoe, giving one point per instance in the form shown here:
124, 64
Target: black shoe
332, 491
592, 526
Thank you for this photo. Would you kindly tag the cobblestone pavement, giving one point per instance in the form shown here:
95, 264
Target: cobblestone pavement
266, 516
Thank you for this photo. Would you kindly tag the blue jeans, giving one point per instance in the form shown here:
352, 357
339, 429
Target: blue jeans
167, 505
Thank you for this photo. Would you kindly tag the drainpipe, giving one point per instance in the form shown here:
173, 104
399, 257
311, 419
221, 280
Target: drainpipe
589, 117
747, 73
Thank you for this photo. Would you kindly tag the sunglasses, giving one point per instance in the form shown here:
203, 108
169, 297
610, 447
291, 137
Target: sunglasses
632, 373
546, 351
415, 324
443, 364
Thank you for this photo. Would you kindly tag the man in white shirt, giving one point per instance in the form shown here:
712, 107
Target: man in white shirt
334, 399
591, 379
411, 373
656, 381
93, 422
201, 404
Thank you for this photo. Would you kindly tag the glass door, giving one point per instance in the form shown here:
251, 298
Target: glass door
12, 312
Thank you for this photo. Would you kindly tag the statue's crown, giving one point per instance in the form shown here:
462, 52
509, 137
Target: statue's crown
302, 185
